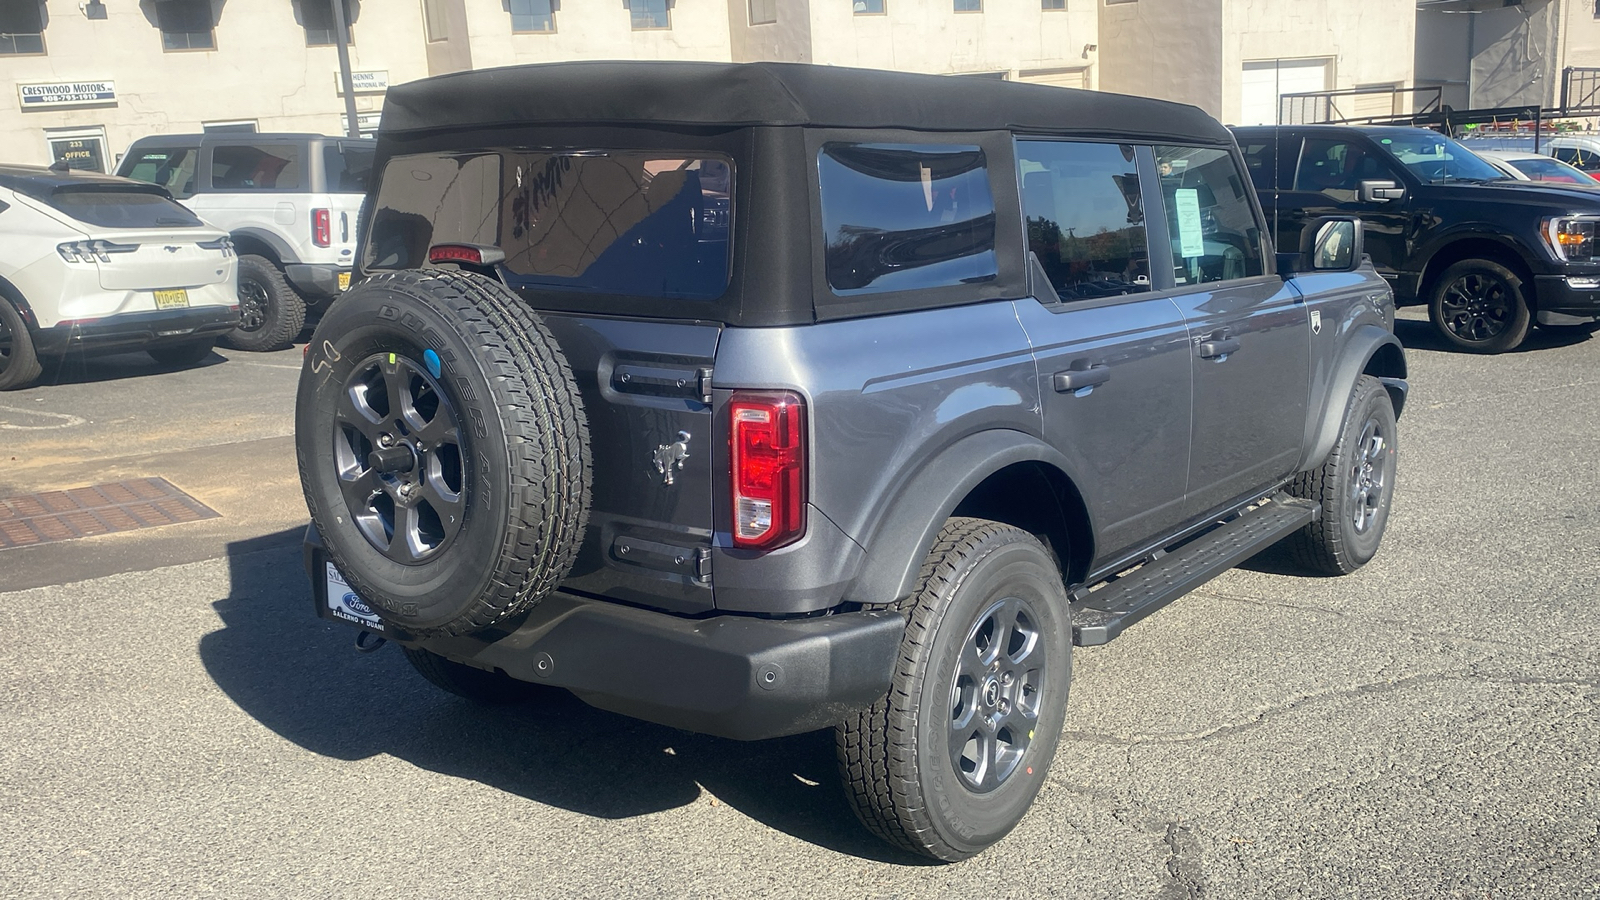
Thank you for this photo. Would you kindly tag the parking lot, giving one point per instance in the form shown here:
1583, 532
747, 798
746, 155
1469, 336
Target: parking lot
175, 721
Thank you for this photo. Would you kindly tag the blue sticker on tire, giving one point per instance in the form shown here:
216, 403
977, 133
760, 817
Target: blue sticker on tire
432, 360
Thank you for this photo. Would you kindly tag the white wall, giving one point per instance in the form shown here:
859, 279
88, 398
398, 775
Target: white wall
1167, 49
598, 29
929, 36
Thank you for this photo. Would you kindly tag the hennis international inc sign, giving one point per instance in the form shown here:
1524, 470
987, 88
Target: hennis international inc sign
66, 93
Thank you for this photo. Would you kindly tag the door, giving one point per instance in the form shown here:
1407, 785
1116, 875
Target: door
1249, 340
1327, 182
1113, 357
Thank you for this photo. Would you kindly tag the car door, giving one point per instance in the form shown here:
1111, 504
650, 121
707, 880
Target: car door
1112, 354
1327, 182
1249, 339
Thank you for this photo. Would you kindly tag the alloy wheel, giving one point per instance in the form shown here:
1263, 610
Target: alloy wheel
1478, 307
252, 304
997, 694
1369, 479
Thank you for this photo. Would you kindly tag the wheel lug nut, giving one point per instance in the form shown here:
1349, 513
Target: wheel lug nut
1007, 678
385, 440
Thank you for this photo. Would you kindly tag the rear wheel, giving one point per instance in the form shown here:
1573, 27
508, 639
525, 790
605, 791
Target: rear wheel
1480, 306
188, 354
271, 314
951, 758
19, 364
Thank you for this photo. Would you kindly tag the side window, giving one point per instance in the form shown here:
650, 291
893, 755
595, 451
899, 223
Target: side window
170, 167
1270, 162
1336, 168
257, 167
1214, 232
1085, 217
347, 167
900, 217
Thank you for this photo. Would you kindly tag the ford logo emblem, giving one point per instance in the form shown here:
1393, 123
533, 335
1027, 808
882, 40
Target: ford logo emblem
354, 604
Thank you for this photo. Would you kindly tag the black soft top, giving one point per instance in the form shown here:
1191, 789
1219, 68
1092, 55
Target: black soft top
676, 94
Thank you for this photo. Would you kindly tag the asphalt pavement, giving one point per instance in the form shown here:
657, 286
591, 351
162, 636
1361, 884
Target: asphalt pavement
174, 721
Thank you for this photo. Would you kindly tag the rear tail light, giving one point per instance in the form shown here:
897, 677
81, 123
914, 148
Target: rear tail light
321, 228
768, 442
224, 243
89, 251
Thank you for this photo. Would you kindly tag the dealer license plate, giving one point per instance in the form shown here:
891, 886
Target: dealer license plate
178, 299
344, 281
345, 604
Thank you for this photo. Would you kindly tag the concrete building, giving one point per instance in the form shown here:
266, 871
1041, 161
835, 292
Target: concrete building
1493, 54
1235, 58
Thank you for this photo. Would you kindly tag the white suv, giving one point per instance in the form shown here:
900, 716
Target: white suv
290, 202
96, 263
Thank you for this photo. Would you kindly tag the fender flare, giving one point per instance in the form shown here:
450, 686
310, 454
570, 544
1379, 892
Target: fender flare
1364, 343
279, 246
899, 541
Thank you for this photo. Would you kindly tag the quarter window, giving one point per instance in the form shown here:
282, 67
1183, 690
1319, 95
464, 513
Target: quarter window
186, 24
900, 217
532, 16
1085, 217
1211, 224
257, 167
21, 27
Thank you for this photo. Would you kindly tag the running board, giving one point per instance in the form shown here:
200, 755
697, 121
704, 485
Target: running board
1101, 615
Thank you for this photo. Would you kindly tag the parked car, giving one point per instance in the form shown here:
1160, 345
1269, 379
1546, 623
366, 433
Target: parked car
1581, 151
764, 402
289, 201
1488, 255
97, 264
1520, 165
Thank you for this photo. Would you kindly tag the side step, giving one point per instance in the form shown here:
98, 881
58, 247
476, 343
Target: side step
1101, 615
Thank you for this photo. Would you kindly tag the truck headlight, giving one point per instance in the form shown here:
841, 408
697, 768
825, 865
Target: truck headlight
1571, 238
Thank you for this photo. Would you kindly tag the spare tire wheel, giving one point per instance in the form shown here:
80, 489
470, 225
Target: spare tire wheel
443, 450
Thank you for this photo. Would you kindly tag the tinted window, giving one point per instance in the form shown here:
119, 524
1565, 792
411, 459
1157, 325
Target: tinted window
1337, 168
1434, 158
1587, 160
900, 217
122, 209
346, 167
170, 167
1085, 217
1211, 224
639, 224
257, 167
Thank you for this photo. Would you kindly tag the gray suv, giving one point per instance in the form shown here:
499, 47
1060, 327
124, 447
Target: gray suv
758, 399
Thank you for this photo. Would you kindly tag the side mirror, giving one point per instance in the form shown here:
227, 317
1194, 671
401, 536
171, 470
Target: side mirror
1331, 245
1381, 191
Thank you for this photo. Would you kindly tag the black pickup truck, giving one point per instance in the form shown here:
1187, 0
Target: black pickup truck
1489, 256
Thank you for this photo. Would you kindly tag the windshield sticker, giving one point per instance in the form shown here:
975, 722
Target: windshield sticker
1191, 242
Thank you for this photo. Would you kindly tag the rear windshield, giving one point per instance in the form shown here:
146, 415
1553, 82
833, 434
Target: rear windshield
606, 222
122, 209
347, 167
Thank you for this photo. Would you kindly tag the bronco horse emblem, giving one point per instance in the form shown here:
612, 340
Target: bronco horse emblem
671, 456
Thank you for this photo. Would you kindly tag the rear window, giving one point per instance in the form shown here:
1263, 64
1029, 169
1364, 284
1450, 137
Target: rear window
122, 209
900, 217
170, 167
627, 223
347, 168
258, 167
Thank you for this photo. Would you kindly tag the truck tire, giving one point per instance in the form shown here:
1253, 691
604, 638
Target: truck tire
271, 314
1354, 485
951, 758
1480, 306
443, 450
19, 364
488, 688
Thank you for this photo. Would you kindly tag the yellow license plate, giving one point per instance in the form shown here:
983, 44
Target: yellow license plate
344, 281
172, 299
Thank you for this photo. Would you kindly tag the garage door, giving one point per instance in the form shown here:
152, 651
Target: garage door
1072, 78
1266, 80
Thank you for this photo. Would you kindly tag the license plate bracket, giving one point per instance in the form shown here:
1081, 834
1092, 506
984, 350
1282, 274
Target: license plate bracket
340, 602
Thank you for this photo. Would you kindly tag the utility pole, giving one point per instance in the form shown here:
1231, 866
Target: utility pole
341, 31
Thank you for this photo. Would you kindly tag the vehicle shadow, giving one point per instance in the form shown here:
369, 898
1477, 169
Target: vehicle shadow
1419, 334
300, 676
78, 368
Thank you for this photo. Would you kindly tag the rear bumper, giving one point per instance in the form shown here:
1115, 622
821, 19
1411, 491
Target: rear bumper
138, 331
314, 280
732, 676
1569, 295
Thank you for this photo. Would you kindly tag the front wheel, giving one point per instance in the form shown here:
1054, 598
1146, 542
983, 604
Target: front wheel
1480, 306
1354, 487
948, 761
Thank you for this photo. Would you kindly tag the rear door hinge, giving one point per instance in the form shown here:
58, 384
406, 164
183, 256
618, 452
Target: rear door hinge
703, 379
702, 562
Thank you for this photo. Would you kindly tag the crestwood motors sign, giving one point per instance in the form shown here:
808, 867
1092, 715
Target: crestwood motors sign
66, 93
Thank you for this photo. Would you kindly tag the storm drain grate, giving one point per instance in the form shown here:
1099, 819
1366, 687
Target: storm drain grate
97, 509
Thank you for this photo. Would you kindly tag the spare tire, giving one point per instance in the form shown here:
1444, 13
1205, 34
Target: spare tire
443, 450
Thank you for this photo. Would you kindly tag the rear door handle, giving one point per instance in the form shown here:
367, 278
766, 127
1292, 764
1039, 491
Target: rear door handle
1078, 379
1214, 349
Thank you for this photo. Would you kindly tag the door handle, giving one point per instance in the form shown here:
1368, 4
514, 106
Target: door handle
1078, 379
1222, 347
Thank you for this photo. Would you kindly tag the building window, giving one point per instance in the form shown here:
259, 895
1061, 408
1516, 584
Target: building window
1052, 4
21, 27
650, 14
318, 18
83, 150
186, 25
765, 12
969, 5
533, 16
876, 7
433, 20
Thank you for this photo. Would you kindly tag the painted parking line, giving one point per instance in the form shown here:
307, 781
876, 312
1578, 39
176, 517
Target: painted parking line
13, 418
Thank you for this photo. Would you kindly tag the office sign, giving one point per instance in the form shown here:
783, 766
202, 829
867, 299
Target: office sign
66, 93
364, 82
